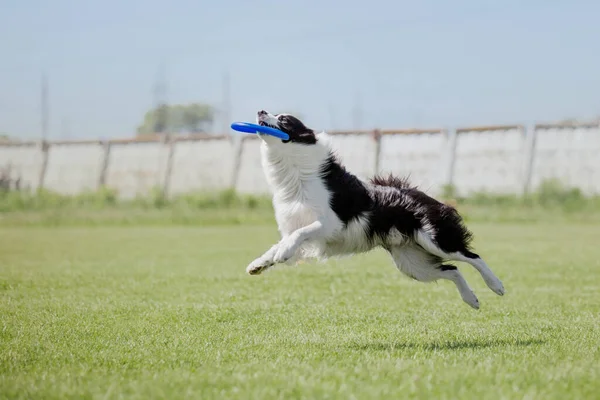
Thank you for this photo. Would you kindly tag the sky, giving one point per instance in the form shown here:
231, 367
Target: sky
340, 64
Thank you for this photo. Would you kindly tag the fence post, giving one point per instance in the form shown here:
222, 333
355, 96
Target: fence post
43, 146
377, 138
237, 161
529, 138
104, 167
169, 142
451, 140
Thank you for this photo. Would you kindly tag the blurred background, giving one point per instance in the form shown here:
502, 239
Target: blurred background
114, 102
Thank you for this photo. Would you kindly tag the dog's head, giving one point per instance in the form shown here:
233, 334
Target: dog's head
289, 124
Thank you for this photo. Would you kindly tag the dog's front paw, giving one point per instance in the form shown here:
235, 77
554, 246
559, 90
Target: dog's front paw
285, 252
257, 266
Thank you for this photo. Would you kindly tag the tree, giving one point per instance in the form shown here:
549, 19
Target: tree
178, 118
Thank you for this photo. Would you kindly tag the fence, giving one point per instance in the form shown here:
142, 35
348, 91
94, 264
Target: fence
499, 159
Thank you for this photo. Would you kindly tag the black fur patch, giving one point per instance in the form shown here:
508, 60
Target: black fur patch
448, 229
392, 181
393, 211
392, 202
349, 197
296, 129
447, 267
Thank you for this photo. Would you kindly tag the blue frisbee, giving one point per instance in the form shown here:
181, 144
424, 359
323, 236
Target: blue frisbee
254, 128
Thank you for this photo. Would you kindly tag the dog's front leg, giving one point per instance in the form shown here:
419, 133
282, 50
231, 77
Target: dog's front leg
285, 249
289, 245
263, 262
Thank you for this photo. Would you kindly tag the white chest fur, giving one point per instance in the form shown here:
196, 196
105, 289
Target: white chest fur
299, 194
300, 197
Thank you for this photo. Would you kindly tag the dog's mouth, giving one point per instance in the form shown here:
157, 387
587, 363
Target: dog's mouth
263, 123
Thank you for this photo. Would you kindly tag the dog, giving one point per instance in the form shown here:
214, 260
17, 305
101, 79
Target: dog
322, 210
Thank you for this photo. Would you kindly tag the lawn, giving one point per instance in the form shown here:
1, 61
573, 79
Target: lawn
168, 312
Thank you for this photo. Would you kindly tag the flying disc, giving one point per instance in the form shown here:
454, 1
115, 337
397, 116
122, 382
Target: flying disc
254, 128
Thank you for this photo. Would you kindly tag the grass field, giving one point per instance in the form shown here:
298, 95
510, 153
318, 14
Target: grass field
168, 312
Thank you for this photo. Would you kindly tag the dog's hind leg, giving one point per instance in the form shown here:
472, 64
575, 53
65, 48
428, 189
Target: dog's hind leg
422, 266
452, 273
491, 280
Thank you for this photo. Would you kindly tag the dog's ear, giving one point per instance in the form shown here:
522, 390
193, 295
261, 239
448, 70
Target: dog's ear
307, 137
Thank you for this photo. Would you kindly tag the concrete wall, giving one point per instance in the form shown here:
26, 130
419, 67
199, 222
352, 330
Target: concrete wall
74, 168
489, 159
23, 162
569, 154
357, 151
416, 154
201, 165
134, 169
503, 159
250, 176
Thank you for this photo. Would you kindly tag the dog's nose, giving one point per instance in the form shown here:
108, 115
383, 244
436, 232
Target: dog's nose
262, 112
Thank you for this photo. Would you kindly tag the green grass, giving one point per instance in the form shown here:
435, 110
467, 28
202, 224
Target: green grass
45, 208
148, 312
226, 207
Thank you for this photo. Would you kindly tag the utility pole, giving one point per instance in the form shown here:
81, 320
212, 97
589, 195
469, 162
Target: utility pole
226, 103
45, 112
45, 118
160, 101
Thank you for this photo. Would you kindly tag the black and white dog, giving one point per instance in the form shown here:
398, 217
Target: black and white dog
322, 210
